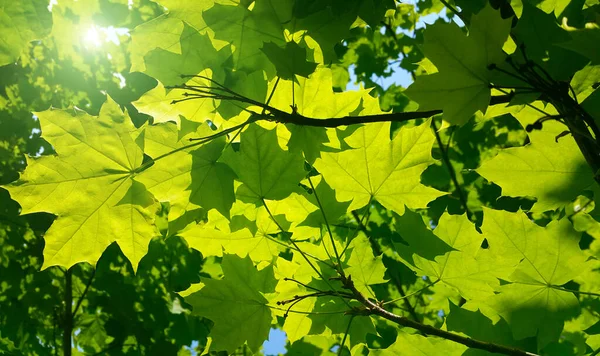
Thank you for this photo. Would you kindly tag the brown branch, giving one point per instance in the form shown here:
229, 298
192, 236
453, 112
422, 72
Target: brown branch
372, 308
277, 115
393, 273
297, 119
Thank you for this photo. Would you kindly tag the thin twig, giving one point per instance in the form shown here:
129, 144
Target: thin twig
451, 171
87, 287
302, 254
340, 269
454, 10
411, 294
345, 335
393, 273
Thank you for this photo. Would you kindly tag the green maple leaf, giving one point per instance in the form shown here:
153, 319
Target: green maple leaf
412, 344
189, 11
218, 239
20, 23
290, 60
309, 140
250, 85
188, 178
547, 47
552, 6
461, 86
583, 83
266, 170
164, 106
466, 268
364, 268
89, 185
246, 30
469, 320
165, 31
162, 32
580, 40
376, 167
331, 210
545, 258
317, 316
418, 239
519, 170
197, 54
314, 97
236, 304
326, 22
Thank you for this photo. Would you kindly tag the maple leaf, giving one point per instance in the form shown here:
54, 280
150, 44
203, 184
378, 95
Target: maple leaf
20, 23
187, 178
461, 85
466, 267
89, 185
289, 61
519, 170
545, 258
236, 304
411, 344
266, 170
376, 167
246, 30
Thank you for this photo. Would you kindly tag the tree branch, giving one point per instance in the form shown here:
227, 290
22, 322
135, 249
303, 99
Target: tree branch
222, 93
393, 273
297, 119
372, 308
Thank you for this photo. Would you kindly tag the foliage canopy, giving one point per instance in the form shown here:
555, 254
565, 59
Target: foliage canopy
184, 177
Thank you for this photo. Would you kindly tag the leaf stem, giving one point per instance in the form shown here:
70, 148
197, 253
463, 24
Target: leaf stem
411, 294
198, 142
392, 272
87, 287
304, 255
454, 10
346, 335
575, 291
451, 171
337, 255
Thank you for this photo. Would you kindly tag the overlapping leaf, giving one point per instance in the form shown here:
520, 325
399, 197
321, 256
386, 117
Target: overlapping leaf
20, 23
89, 185
466, 267
461, 85
376, 167
266, 170
545, 259
237, 304
520, 171
187, 178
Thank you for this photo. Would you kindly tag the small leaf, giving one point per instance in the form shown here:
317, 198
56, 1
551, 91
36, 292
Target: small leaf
267, 171
289, 61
